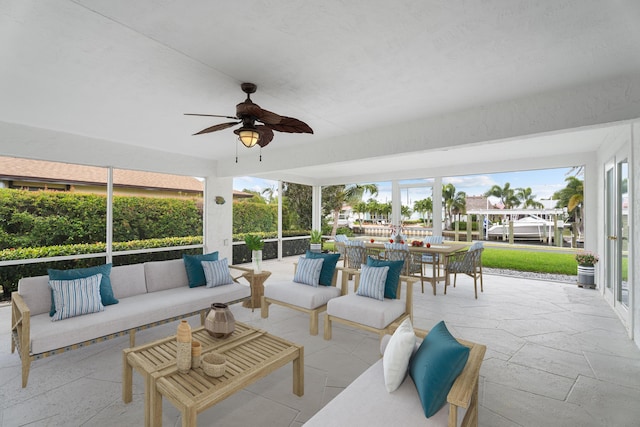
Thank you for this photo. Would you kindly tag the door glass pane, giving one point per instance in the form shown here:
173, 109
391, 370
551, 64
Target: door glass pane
610, 227
623, 232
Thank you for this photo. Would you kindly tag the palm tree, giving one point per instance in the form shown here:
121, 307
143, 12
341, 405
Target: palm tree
527, 199
423, 206
405, 211
506, 195
359, 208
336, 196
454, 202
572, 197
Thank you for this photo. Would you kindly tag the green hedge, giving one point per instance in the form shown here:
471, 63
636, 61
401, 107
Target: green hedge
9, 275
48, 218
251, 217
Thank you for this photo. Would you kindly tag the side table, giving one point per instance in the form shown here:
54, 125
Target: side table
257, 288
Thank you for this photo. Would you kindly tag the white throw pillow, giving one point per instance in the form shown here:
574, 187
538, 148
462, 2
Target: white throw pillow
395, 361
308, 271
76, 297
216, 273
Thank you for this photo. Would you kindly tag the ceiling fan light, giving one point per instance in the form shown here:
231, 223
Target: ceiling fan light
249, 137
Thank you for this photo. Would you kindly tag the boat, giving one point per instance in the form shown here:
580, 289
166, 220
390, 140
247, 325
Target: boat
528, 227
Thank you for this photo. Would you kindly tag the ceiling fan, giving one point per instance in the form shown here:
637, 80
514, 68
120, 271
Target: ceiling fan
248, 114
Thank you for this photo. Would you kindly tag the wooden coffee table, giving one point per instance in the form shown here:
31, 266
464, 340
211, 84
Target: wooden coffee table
251, 354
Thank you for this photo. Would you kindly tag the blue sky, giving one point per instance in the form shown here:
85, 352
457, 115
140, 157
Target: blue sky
543, 184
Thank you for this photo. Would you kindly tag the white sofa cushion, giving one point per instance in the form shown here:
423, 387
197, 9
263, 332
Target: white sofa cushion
128, 280
36, 293
304, 296
366, 311
162, 275
131, 312
366, 402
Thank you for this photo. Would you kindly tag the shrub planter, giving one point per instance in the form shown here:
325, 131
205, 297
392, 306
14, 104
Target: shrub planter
586, 276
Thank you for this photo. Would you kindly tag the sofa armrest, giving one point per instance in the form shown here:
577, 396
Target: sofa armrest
21, 332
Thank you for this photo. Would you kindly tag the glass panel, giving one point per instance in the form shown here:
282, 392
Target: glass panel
610, 209
153, 210
623, 233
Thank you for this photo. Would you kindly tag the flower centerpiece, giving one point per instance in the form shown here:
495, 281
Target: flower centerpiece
586, 258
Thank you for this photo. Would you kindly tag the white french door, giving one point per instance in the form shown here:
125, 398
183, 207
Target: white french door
616, 257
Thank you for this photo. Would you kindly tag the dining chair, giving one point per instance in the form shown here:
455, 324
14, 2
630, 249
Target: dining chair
428, 260
355, 254
400, 251
469, 263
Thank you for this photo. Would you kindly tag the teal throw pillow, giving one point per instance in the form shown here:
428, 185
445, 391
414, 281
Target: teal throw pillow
106, 293
328, 266
435, 366
195, 273
393, 276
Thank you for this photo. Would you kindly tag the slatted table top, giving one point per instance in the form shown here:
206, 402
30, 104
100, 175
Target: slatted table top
250, 356
160, 354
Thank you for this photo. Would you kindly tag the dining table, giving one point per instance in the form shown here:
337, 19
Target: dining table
438, 252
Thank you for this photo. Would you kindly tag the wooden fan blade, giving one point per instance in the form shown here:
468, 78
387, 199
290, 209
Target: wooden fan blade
217, 127
210, 115
266, 135
291, 125
268, 118
248, 108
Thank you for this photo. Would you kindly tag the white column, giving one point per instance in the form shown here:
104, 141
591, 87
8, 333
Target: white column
396, 204
316, 207
437, 206
279, 220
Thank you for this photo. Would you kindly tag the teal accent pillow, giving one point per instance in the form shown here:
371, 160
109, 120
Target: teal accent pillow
328, 266
435, 366
195, 273
393, 276
106, 293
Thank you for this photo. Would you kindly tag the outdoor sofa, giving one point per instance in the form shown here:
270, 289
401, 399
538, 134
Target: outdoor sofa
148, 294
367, 402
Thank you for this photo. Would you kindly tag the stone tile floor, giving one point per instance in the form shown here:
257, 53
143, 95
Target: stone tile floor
556, 356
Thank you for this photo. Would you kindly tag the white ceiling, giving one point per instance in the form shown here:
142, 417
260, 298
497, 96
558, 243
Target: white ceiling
385, 85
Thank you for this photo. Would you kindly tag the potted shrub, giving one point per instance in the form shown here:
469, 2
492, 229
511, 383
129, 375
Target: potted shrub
255, 244
586, 269
316, 241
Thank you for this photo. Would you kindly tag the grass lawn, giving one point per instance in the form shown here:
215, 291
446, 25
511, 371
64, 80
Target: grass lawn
539, 262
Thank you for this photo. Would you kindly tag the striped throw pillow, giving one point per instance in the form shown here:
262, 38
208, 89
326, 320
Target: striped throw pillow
308, 271
216, 273
372, 281
76, 297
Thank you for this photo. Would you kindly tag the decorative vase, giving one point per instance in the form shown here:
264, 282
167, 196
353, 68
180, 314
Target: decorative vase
220, 322
315, 247
256, 261
196, 354
586, 276
183, 342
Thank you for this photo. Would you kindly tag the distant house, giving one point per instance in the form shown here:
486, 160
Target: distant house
34, 175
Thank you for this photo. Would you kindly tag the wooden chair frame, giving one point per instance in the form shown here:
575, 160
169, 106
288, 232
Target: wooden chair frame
313, 313
408, 313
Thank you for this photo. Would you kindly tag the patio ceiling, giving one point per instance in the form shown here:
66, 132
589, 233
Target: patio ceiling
398, 89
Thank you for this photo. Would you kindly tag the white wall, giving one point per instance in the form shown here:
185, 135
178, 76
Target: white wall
219, 218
